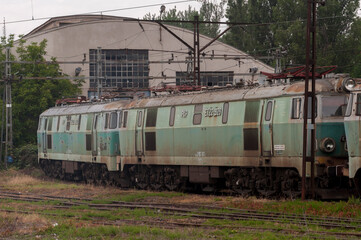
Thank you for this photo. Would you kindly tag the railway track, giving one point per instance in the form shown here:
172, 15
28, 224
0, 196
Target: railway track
194, 211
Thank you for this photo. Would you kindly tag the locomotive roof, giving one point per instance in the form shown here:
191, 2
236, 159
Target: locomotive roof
222, 95
234, 94
84, 108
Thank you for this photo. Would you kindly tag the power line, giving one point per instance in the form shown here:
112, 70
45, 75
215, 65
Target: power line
104, 11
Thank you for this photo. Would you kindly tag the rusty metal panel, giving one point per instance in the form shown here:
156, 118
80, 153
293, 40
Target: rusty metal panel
199, 174
178, 100
49, 141
250, 139
69, 167
88, 142
216, 172
184, 171
150, 141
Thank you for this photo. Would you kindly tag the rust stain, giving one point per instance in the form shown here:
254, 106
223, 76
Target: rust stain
321, 86
116, 105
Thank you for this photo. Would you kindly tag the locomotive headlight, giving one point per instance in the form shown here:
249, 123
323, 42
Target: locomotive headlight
327, 145
349, 84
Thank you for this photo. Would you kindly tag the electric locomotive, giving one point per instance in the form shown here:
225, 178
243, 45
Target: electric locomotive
243, 140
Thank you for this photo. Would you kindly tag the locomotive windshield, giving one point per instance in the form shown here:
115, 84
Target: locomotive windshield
334, 106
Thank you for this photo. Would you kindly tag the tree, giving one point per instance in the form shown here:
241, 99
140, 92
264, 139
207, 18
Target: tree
284, 26
210, 11
31, 97
355, 45
256, 40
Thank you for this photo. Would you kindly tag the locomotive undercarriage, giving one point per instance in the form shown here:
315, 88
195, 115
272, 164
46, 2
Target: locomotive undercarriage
248, 181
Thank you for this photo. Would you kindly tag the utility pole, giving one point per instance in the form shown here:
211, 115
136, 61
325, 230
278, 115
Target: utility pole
278, 68
196, 53
99, 71
310, 68
8, 105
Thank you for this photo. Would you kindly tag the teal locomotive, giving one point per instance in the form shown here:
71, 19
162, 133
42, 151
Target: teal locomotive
243, 140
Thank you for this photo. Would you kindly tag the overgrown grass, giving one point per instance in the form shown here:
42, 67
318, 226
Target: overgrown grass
343, 209
136, 196
69, 231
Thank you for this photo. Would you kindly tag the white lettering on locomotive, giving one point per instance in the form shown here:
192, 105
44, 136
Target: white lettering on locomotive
213, 112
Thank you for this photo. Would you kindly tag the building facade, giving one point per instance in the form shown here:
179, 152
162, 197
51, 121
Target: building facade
114, 54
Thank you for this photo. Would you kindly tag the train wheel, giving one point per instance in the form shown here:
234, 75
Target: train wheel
58, 170
88, 175
105, 176
171, 179
156, 178
290, 184
141, 176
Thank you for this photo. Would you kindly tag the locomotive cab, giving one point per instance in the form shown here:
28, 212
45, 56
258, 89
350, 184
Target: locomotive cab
352, 129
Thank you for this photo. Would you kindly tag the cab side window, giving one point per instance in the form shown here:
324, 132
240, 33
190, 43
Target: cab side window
296, 108
197, 117
358, 105
113, 120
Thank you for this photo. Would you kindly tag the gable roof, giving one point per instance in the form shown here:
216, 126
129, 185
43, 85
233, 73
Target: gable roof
61, 21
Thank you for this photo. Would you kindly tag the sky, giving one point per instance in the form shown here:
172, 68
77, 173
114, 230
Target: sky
18, 14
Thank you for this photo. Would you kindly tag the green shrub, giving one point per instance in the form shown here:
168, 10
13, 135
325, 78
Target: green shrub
26, 156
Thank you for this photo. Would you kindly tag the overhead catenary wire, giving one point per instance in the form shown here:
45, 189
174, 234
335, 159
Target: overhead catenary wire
105, 11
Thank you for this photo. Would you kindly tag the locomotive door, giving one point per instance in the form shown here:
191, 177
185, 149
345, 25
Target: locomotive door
139, 133
267, 128
44, 138
94, 136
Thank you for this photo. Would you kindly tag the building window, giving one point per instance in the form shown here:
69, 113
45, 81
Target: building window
120, 68
207, 78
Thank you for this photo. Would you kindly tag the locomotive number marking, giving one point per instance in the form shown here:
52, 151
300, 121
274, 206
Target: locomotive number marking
213, 112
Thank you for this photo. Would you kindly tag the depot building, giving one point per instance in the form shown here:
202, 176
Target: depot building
116, 54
